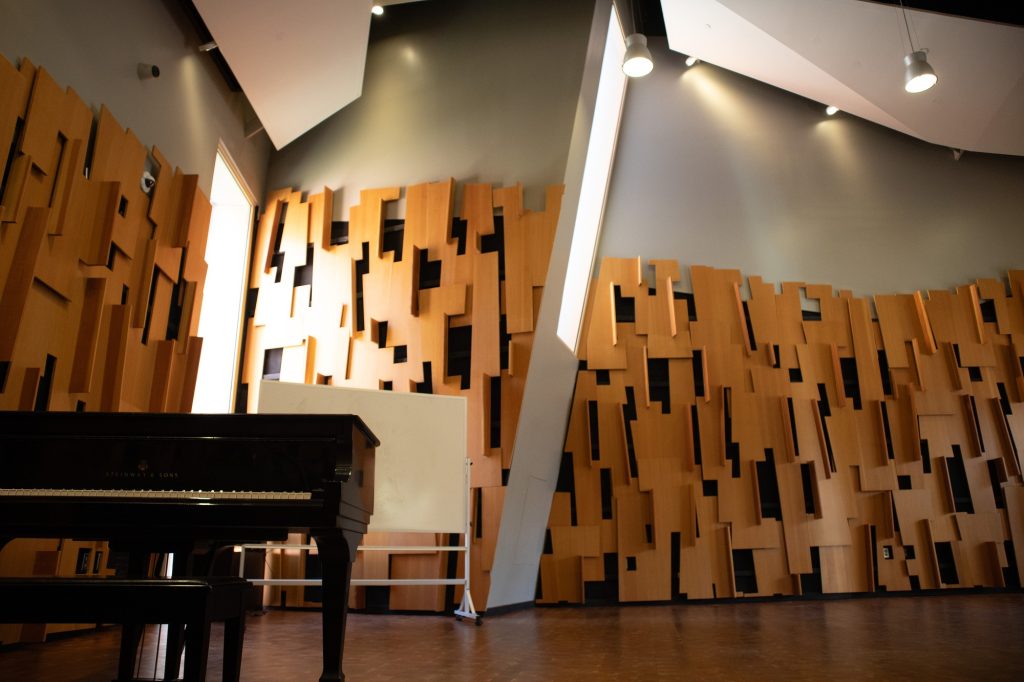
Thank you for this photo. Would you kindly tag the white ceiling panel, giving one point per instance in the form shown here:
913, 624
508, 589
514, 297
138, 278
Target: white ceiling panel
298, 62
849, 53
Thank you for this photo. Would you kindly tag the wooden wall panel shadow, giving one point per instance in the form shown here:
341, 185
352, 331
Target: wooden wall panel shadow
441, 301
100, 281
722, 446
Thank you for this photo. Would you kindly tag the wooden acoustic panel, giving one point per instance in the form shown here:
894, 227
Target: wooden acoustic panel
100, 282
721, 446
442, 301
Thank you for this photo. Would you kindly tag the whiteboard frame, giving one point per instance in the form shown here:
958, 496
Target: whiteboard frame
370, 406
420, 463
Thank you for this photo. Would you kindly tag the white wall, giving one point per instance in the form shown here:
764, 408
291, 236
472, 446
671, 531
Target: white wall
482, 91
95, 47
716, 169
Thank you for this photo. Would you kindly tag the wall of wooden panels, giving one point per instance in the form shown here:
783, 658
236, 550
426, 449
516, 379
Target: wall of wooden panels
100, 283
443, 301
726, 445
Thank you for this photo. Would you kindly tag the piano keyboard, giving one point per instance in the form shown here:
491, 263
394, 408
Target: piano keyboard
198, 495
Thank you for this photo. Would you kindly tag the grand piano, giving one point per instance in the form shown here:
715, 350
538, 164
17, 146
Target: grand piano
183, 482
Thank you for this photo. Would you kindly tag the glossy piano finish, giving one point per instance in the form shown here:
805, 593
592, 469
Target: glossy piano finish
49, 459
172, 482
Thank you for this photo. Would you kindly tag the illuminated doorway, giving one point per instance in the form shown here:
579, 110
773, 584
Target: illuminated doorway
227, 256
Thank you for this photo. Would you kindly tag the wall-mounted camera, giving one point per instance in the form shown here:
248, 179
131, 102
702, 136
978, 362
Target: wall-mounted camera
148, 182
148, 71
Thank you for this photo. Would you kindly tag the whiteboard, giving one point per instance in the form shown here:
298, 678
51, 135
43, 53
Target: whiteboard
420, 469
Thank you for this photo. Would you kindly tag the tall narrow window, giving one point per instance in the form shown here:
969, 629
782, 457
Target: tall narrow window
597, 169
220, 320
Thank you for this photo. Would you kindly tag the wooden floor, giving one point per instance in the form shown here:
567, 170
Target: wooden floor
957, 637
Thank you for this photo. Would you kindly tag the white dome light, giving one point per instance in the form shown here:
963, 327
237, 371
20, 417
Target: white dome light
919, 75
637, 61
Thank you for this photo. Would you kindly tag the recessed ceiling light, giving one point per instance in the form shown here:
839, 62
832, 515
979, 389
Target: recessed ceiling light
831, 110
691, 61
377, 10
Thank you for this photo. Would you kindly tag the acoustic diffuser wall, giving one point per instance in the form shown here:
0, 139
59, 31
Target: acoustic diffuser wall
789, 443
431, 303
100, 281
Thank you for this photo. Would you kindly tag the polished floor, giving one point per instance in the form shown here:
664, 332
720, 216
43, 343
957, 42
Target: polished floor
956, 637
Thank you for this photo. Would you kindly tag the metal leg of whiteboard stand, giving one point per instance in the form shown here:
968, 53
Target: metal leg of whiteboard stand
466, 608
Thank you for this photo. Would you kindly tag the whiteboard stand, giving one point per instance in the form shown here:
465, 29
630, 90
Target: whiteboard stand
466, 608
422, 454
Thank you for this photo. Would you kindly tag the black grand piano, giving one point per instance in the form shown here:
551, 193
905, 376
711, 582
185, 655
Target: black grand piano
180, 482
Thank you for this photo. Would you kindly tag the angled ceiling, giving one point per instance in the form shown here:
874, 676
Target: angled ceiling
298, 62
849, 53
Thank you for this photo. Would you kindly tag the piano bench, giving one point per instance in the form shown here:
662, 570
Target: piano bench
193, 602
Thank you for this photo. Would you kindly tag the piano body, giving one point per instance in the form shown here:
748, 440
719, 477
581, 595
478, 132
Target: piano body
175, 482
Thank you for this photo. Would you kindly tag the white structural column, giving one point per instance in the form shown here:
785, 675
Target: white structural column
552, 376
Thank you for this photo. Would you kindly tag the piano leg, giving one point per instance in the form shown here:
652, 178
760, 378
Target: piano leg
336, 561
234, 632
130, 634
176, 640
184, 566
197, 643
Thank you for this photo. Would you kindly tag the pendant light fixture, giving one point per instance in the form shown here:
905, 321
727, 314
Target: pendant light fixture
637, 61
919, 74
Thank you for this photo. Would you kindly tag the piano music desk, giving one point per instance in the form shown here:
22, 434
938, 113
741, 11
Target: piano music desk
194, 602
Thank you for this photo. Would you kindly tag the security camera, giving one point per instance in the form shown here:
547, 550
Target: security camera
148, 182
148, 71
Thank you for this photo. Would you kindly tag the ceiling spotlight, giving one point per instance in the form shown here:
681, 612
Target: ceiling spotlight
637, 62
831, 110
919, 75
377, 10
692, 61
206, 47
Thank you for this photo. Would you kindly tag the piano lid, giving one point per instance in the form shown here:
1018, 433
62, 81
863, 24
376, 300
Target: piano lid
166, 451
172, 424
